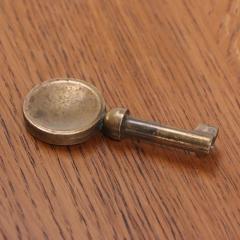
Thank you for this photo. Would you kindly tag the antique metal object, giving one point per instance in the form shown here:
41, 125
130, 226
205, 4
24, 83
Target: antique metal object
64, 111
69, 111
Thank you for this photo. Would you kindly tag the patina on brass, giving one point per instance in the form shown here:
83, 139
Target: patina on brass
64, 111
119, 124
69, 111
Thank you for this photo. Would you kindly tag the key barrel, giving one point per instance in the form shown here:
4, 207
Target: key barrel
119, 124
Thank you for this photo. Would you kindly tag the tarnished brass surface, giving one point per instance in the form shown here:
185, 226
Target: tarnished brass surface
69, 111
119, 124
113, 123
63, 111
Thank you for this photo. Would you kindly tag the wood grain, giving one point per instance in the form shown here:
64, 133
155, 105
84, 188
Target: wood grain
225, 23
164, 60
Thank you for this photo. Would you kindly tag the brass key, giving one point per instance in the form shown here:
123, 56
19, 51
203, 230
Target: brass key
69, 111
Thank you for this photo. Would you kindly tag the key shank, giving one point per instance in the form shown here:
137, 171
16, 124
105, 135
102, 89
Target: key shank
119, 124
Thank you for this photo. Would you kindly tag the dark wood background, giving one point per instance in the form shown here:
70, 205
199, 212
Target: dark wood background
173, 61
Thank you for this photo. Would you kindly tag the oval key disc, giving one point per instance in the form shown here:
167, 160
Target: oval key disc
64, 111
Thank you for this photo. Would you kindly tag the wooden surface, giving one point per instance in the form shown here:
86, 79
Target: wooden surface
173, 61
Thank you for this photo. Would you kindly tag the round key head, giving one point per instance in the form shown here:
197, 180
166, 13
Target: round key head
64, 111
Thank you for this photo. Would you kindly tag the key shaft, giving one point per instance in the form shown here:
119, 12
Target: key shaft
119, 124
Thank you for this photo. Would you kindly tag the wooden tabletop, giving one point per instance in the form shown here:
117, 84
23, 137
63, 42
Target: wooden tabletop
176, 62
